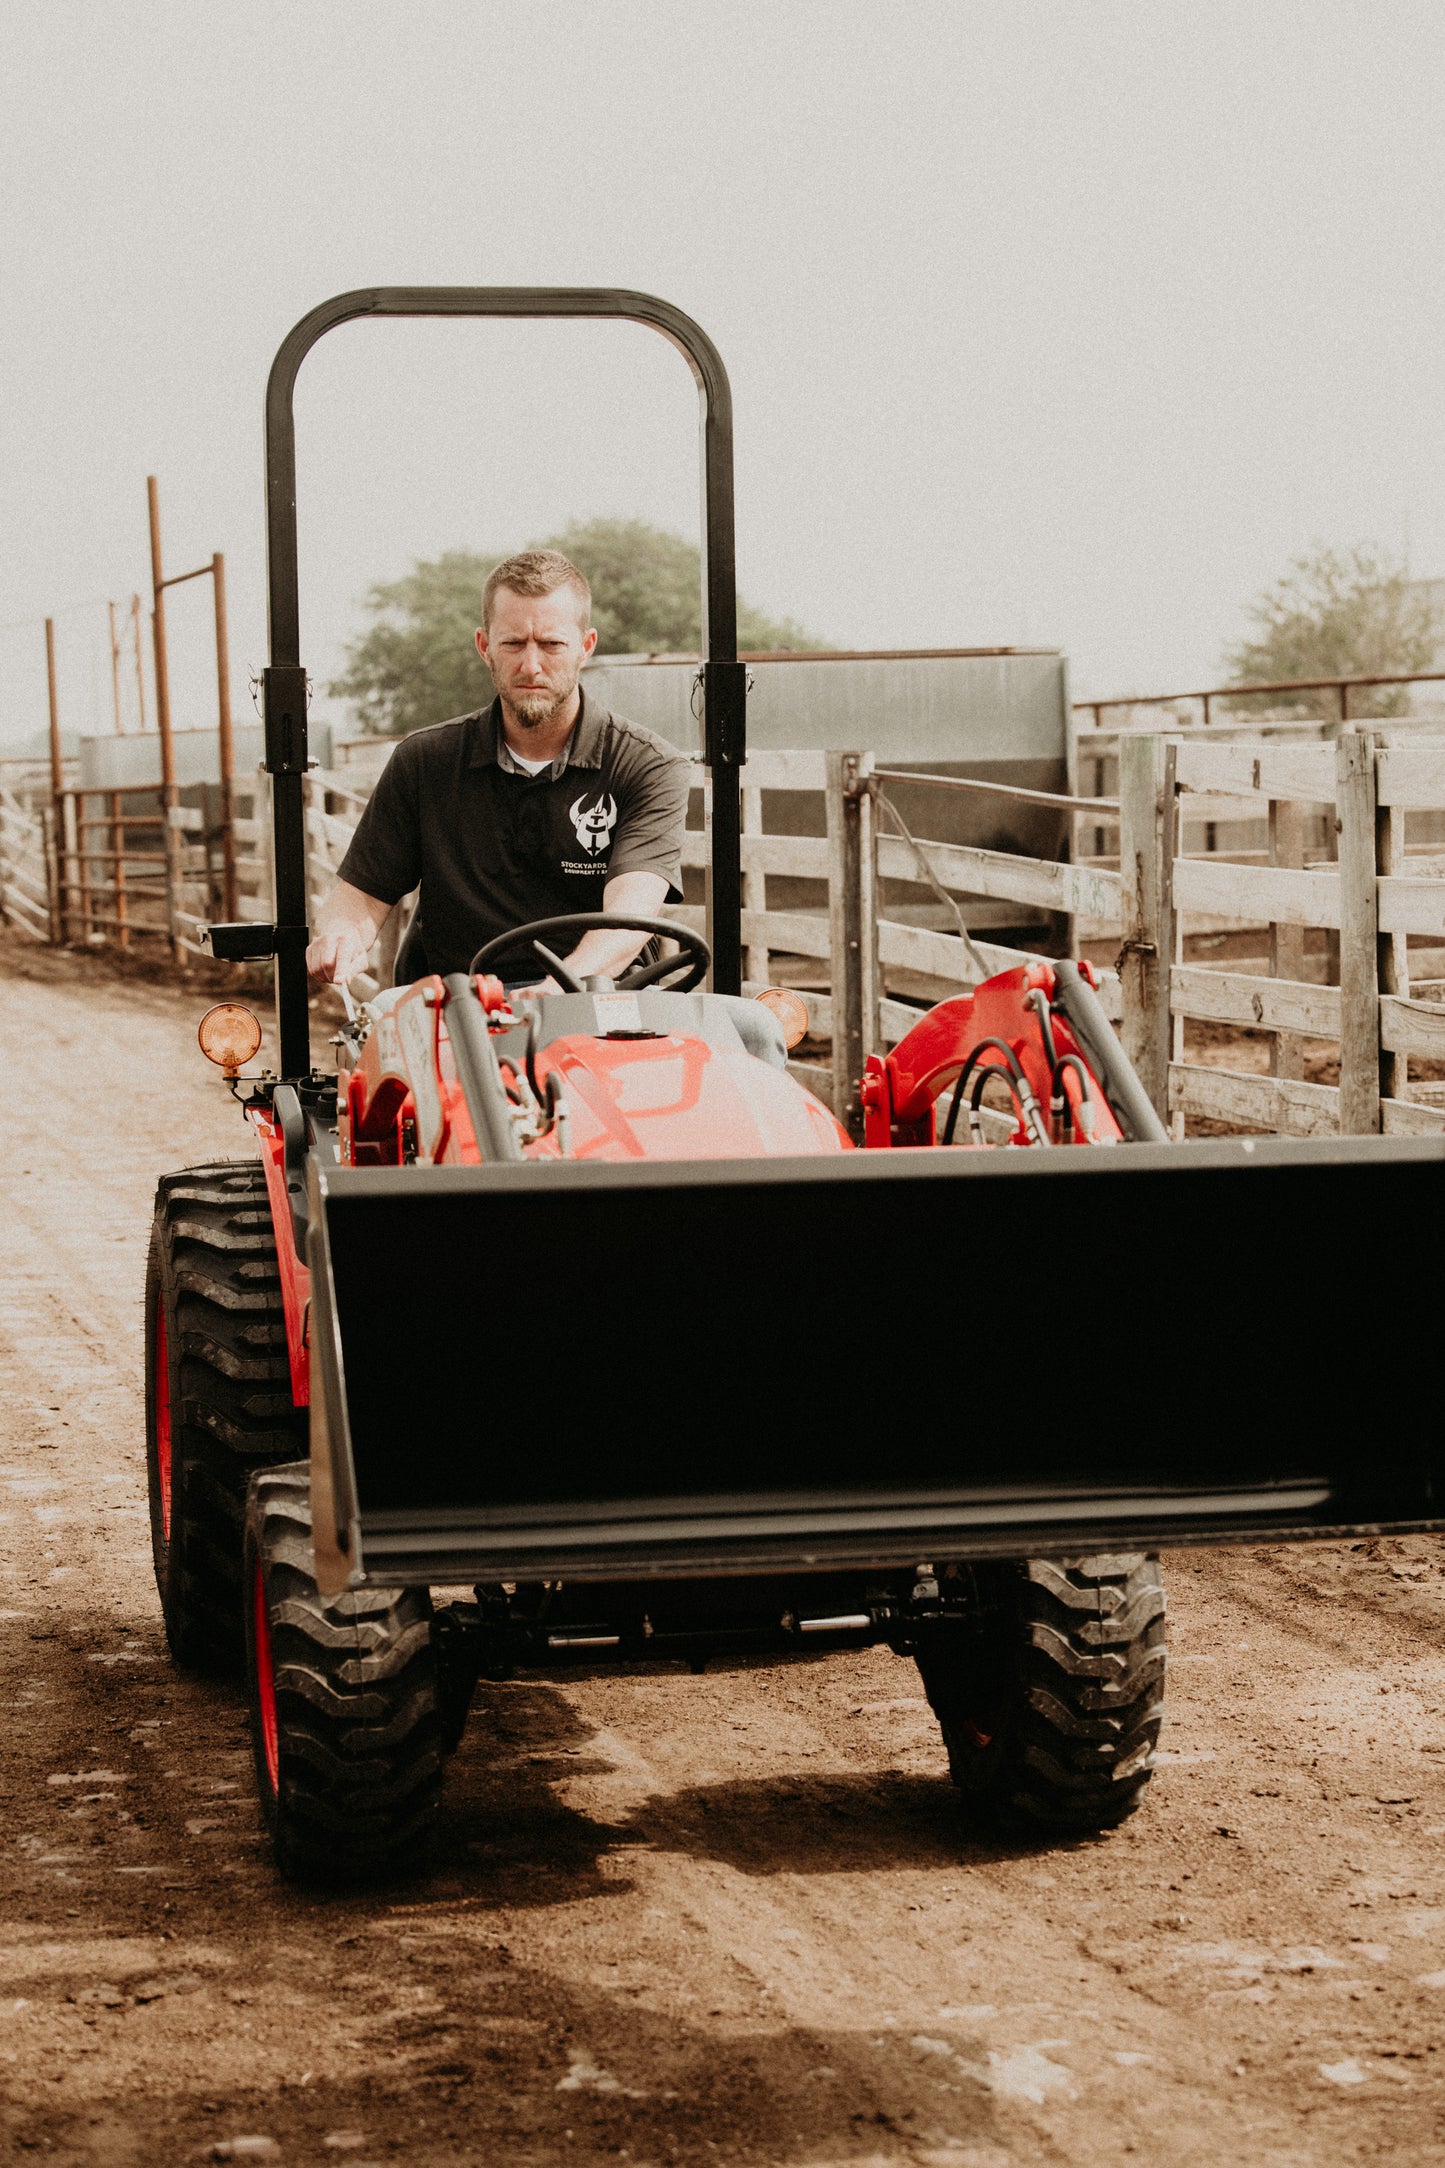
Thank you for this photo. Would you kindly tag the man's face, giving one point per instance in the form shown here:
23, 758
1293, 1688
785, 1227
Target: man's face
535, 647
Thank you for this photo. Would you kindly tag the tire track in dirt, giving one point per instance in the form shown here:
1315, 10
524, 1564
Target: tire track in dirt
733, 1918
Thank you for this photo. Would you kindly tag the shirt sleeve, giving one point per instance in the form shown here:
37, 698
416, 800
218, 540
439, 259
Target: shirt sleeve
383, 858
653, 790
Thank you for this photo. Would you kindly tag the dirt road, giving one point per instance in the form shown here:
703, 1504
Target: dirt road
733, 1918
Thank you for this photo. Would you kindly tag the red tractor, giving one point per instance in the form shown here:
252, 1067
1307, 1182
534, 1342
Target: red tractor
781, 1395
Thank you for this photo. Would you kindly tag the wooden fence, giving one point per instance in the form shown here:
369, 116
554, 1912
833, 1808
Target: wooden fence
26, 880
1374, 893
1280, 841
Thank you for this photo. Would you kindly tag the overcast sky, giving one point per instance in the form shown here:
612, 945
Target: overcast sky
1046, 323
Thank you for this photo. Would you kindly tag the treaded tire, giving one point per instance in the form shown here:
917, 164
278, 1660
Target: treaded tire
346, 1718
218, 1395
1050, 1697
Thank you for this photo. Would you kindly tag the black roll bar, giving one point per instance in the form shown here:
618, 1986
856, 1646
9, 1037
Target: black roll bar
723, 676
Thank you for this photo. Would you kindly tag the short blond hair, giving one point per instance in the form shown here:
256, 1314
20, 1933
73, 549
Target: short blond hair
536, 572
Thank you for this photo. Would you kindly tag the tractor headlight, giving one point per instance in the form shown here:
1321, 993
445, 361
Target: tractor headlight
229, 1035
790, 1009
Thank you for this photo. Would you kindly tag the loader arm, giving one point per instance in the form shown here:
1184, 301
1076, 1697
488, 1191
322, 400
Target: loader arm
1039, 1032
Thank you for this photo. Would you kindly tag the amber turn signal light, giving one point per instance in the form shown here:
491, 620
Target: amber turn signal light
790, 1009
228, 1035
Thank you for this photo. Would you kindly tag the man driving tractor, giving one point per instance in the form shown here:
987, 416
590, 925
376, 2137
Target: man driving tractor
541, 805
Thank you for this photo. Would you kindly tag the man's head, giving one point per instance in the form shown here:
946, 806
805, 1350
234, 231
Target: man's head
536, 632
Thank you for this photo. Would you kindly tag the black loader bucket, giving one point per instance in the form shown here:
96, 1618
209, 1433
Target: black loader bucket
528, 1372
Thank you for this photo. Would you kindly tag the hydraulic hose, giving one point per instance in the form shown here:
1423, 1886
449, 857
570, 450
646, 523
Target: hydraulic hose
1095, 1034
477, 1071
1013, 1076
1038, 1001
1083, 1125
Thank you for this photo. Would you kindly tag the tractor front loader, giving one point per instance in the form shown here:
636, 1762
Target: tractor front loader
780, 1395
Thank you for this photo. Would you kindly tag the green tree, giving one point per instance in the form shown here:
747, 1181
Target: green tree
1337, 614
416, 664
646, 591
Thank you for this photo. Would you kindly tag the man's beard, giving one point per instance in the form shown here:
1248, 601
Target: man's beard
534, 709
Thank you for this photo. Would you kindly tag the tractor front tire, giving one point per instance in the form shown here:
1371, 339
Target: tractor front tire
346, 1710
218, 1395
1050, 1695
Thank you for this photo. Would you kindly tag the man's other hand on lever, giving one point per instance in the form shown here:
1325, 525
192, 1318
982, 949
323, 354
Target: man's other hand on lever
346, 928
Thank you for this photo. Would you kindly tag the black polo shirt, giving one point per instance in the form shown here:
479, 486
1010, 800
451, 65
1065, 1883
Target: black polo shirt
491, 847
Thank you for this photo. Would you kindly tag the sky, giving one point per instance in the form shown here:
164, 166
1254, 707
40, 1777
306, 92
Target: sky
1047, 323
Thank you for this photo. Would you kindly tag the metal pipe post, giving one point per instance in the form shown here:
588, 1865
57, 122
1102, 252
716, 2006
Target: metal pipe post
57, 765
724, 697
115, 669
140, 676
170, 797
57, 789
117, 845
82, 861
226, 737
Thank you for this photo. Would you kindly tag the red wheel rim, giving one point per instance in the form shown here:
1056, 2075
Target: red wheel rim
162, 1401
265, 1680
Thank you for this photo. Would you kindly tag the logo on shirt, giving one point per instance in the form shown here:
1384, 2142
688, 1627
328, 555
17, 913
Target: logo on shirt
594, 823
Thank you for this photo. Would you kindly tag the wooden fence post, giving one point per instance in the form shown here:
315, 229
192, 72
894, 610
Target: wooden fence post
1286, 943
755, 958
853, 927
1391, 949
1147, 827
1359, 934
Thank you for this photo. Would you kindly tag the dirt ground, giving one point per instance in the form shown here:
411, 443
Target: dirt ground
734, 1918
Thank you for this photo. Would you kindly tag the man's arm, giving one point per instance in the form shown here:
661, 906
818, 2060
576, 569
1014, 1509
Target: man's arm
346, 926
602, 953
382, 863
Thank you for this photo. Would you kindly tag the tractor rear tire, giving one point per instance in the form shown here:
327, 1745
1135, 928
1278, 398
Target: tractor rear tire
347, 1722
1050, 1696
218, 1395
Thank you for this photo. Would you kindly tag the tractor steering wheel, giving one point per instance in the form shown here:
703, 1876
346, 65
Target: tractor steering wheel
695, 962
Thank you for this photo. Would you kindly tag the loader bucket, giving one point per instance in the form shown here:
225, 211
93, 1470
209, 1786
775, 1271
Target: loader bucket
595, 1371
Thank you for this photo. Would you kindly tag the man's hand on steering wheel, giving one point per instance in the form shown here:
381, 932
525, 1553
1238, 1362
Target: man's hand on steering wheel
539, 936
606, 951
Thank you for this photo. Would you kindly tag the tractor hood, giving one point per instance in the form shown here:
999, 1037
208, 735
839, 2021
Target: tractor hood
680, 1097
660, 1075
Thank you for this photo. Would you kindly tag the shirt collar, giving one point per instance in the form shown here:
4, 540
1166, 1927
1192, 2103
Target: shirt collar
582, 750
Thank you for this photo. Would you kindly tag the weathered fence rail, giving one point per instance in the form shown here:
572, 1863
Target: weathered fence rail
1377, 895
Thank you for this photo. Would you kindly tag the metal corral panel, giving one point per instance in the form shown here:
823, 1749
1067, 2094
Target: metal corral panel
134, 763
1000, 714
974, 706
